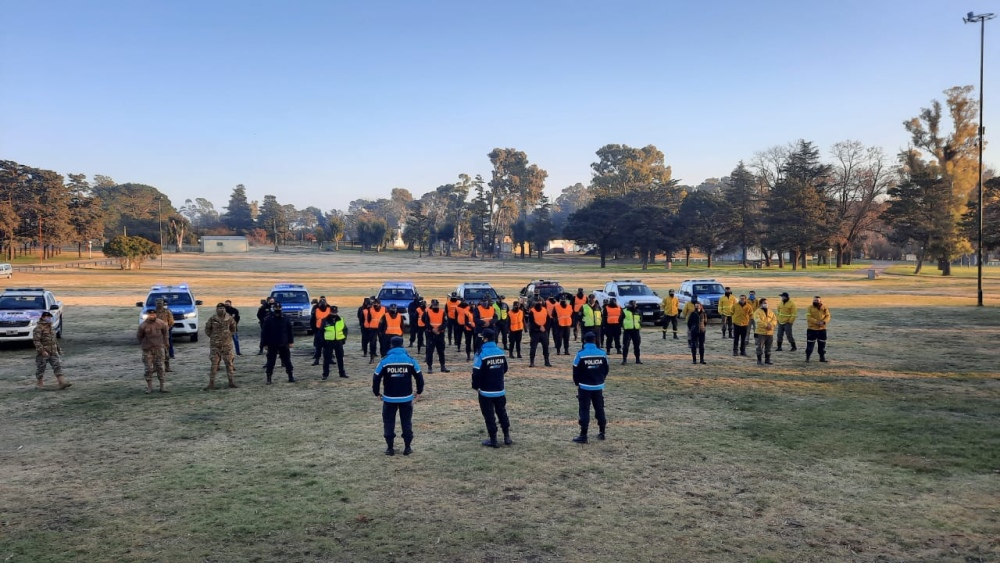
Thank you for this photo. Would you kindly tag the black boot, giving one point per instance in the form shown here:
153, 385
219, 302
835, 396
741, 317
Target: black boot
491, 442
600, 436
759, 362
778, 349
407, 450
268, 380
388, 449
822, 358
581, 439
767, 359
506, 438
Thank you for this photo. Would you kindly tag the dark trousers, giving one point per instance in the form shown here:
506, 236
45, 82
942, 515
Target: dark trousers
515, 342
812, 337
469, 335
453, 330
577, 323
668, 320
785, 330
273, 353
261, 350
561, 334
331, 347
597, 333
493, 408
586, 399
763, 345
417, 334
543, 339
170, 343
318, 343
405, 411
435, 342
697, 340
503, 329
740, 339
383, 343
727, 324
236, 342
631, 337
373, 340
614, 333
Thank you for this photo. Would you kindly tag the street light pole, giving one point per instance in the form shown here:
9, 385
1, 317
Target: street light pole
981, 18
159, 222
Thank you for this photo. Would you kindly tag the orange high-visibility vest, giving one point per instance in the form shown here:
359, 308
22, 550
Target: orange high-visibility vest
394, 325
516, 319
320, 315
486, 313
613, 314
578, 302
420, 317
550, 306
436, 318
465, 318
451, 306
375, 317
540, 318
564, 315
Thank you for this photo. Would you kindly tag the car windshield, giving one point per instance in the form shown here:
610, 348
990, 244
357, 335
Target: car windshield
396, 294
705, 288
170, 299
477, 293
547, 291
22, 303
632, 290
286, 297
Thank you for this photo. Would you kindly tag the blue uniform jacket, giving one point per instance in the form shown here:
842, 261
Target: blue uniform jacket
488, 369
590, 368
396, 373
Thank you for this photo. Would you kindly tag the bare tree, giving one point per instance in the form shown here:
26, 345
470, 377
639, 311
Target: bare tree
861, 176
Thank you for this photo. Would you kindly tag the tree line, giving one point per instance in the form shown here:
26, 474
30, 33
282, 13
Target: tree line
784, 201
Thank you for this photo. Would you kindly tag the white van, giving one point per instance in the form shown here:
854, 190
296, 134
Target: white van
6, 271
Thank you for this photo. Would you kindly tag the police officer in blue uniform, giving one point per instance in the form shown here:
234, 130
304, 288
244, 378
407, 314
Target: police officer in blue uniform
488, 369
393, 384
590, 368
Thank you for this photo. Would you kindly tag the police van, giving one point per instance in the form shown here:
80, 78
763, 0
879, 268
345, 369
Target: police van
400, 294
295, 304
182, 304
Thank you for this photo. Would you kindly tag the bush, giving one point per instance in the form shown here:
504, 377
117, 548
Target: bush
131, 252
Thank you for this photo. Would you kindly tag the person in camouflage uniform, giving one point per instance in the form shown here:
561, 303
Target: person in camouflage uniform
153, 336
220, 329
164, 314
48, 351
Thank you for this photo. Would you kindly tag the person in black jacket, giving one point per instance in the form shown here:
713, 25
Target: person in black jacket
362, 316
487, 378
262, 313
590, 369
235, 314
393, 385
278, 338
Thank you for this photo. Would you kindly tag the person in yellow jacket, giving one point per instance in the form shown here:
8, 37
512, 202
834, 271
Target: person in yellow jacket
765, 322
631, 331
726, 305
689, 308
671, 308
742, 313
817, 317
787, 312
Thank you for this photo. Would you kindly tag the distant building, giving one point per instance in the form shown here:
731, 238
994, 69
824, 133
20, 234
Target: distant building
224, 244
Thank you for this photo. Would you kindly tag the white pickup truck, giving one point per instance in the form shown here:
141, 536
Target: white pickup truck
646, 300
20, 309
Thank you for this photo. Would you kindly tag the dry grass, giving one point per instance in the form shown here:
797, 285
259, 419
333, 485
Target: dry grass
889, 453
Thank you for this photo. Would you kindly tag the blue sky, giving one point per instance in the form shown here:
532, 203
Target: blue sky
320, 103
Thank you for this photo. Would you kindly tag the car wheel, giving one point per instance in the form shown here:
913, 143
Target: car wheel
194, 337
59, 332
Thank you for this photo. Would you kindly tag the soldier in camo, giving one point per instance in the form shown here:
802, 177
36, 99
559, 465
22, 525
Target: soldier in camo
220, 329
164, 314
48, 351
153, 336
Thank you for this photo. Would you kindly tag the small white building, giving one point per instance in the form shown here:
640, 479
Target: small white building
224, 244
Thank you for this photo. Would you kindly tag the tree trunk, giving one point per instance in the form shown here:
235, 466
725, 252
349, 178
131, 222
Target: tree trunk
539, 253
709, 258
645, 260
805, 258
604, 256
687, 257
944, 264
745, 250
793, 257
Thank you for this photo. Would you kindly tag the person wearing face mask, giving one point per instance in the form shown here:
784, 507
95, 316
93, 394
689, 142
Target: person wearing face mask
786, 317
373, 319
153, 335
697, 324
262, 313
578, 302
220, 329
671, 308
562, 317
752, 300
516, 329
817, 317
488, 370
466, 327
765, 321
363, 323
48, 352
538, 319
316, 316
278, 339
436, 324
503, 320
631, 331
334, 336
612, 326
726, 305
742, 313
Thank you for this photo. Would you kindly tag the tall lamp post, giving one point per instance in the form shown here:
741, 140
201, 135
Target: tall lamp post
981, 19
159, 223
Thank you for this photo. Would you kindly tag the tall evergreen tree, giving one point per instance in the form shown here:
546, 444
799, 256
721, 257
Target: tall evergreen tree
239, 216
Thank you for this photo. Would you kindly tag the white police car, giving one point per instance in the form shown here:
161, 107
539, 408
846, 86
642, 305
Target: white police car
182, 304
295, 304
20, 309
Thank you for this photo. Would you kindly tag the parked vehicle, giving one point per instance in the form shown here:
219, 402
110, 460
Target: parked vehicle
6, 271
295, 304
708, 292
647, 301
474, 291
400, 294
20, 309
543, 289
182, 304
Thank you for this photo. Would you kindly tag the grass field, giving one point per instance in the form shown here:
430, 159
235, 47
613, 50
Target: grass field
891, 452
